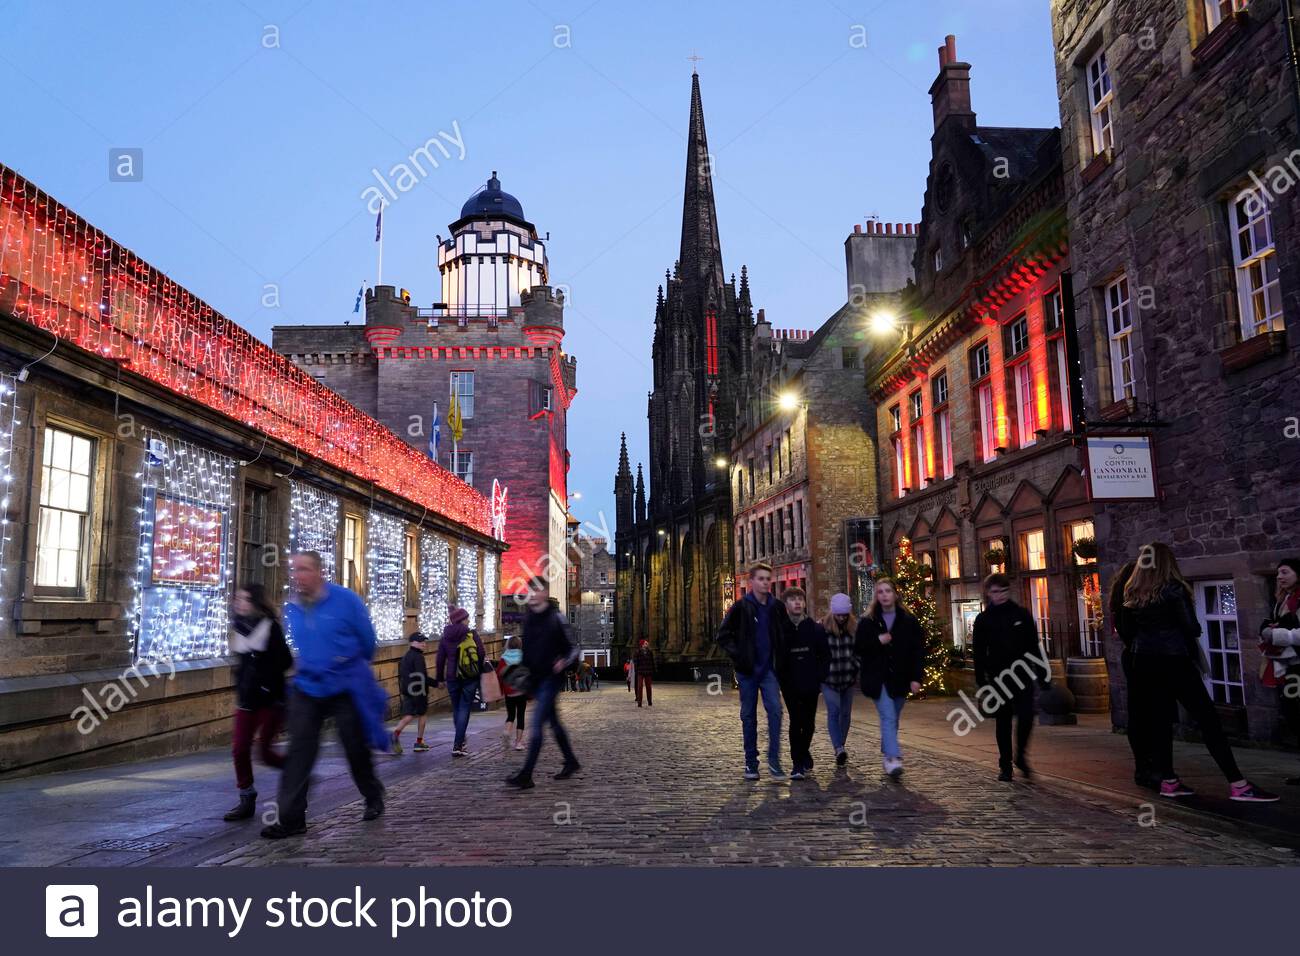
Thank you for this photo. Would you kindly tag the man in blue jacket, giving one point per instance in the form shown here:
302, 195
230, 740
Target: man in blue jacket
331, 630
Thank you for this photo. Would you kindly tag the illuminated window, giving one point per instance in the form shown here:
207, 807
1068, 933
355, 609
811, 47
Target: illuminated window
900, 479
1119, 320
411, 569
63, 525
952, 561
1216, 607
1254, 256
711, 341
1024, 377
353, 554
943, 429
462, 386
1057, 350
1101, 101
918, 450
988, 425
1032, 552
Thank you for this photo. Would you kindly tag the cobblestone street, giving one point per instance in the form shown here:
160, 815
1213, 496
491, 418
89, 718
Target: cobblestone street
662, 786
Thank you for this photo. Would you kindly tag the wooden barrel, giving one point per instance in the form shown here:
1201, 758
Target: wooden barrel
1087, 678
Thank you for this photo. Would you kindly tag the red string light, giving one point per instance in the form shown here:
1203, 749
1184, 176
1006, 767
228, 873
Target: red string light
59, 273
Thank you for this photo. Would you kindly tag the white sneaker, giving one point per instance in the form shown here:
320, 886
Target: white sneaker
893, 766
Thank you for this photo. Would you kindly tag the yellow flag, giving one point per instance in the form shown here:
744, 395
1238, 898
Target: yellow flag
454, 421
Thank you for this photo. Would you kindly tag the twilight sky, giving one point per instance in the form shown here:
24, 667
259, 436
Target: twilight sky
260, 123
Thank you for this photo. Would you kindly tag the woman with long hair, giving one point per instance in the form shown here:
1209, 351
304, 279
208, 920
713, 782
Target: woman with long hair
1143, 773
1167, 668
841, 626
261, 658
1280, 643
891, 649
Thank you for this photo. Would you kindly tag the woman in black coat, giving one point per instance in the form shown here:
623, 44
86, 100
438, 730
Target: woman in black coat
261, 658
891, 648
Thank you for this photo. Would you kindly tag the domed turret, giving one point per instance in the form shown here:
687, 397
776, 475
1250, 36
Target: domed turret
492, 202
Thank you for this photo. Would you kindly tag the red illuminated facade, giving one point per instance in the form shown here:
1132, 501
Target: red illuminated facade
976, 404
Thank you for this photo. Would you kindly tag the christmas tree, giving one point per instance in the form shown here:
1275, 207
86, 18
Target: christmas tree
912, 582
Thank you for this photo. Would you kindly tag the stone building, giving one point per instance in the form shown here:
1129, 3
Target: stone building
495, 339
803, 462
978, 464
1179, 134
673, 552
160, 457
591, 611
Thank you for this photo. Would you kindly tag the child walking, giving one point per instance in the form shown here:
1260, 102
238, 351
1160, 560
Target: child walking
516, 700
413, 684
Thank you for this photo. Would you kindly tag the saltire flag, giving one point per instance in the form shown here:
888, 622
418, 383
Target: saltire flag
360, 295
435, 434
379, 224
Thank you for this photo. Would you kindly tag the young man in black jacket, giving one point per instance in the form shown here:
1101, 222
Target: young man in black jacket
801, 670
548, 653
754, 634
1010, 661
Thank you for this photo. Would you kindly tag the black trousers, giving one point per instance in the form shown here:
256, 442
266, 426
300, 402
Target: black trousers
1159, 682
1020, 708
1288, 701
803, 719
307, 715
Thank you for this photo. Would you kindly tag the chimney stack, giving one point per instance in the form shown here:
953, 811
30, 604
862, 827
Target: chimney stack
950, 92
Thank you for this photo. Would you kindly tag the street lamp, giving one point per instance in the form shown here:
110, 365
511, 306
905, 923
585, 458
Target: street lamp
883, 322
788, 401
720, 462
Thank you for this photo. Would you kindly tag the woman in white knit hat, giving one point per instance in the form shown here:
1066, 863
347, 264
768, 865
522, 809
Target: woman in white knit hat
841, 627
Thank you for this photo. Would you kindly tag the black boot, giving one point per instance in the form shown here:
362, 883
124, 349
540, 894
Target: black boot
246, 807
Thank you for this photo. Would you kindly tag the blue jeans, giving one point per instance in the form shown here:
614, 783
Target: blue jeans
544, 713
839, 713
889, 708
750, 688
461, 694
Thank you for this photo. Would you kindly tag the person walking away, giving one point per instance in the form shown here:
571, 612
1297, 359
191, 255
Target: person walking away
1168, 663
459, 665
1010, 661
1144, 774
413, 686
516, 699
548, 653
1280, 643
801, 671
627, 674
261, 658
336, 641
841, 627
753, 634
645, 672
891, 648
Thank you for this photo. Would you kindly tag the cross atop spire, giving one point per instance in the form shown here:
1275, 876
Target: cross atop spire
694, 58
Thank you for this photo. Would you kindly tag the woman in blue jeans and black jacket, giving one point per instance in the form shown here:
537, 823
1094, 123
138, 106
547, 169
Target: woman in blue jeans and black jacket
891, 649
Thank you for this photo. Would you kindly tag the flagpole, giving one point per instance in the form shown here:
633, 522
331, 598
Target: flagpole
379, 237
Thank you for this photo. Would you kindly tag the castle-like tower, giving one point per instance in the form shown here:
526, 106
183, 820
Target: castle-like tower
673, 553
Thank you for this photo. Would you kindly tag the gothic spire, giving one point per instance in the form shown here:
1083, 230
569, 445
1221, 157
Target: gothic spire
640, 494
701, 252
743, 304
624, 469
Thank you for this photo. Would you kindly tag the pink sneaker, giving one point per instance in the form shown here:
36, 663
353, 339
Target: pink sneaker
1175, 788
1249, 793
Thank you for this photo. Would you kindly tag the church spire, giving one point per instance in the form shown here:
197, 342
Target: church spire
623, 488
640, 495
743, 304
701, 253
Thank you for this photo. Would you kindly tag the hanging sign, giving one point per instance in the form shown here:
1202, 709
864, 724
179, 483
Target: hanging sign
1121, 468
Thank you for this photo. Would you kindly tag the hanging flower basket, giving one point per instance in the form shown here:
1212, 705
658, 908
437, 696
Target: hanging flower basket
996, 557
1086, 549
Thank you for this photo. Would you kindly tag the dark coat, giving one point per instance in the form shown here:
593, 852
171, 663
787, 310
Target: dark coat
806, 659
644, 661
447, 661
259, 675
1005, 635
413, 674
546, 640
893, 666
736, 635
1167, 627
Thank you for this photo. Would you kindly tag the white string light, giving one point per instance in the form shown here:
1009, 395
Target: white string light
491, 591
8, 428
467, 581
185, 563
435, 583
314, 523
386, 559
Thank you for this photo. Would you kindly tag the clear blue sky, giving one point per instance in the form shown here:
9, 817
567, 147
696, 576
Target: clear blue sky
255, 158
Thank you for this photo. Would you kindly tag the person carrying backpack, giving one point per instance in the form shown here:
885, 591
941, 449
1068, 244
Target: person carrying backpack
459, 664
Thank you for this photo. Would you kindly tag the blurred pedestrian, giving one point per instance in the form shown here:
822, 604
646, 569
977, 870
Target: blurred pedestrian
548, 653
261, 658
413, 691
801, 670
459, 665
1168, 667
512, 658
335, 639
1144, 773
645, 672
1280, 644
841, 627
1009, 661
891, 649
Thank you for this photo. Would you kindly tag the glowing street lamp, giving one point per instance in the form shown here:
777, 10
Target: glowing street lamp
883, 322
720, 462
788, 401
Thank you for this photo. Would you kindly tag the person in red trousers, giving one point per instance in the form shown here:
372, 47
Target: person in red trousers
644, 666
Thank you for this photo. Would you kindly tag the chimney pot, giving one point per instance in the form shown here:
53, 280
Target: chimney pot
857, 228
950, 44
898, 228
889, 228
943, 57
